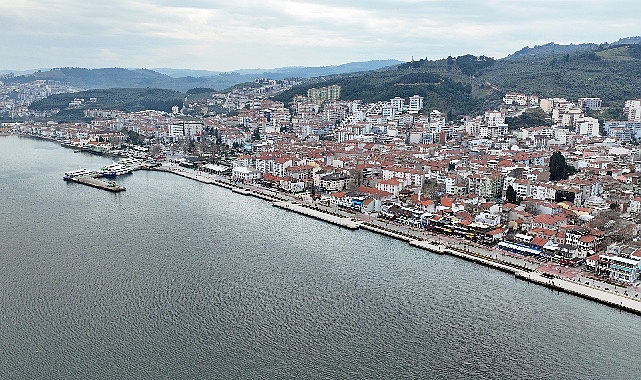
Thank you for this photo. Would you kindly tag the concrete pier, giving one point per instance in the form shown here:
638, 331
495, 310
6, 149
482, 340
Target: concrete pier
99, 184
388, 232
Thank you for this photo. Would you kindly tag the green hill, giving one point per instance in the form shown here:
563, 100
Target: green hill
440, 91
611, 72
123, 99
467, 84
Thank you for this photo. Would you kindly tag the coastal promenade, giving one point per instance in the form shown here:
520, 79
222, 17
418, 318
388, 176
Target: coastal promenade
316, 213
522, 268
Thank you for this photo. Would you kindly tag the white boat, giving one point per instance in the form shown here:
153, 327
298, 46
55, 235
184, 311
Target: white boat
78, 173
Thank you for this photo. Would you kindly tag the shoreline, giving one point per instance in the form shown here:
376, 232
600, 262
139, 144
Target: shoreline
522, 272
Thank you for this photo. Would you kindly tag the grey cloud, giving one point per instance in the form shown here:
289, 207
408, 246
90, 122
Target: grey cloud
225, 35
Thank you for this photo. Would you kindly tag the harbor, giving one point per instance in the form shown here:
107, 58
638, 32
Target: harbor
229, 257
92, 178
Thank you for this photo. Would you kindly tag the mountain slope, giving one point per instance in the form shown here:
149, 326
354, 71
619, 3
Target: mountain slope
467, 84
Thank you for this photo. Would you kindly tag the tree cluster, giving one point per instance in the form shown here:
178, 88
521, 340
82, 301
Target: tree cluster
530, 118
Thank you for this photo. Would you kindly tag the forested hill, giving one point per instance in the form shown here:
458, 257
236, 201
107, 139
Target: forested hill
126, 78
611, 72
467, 84
123, 99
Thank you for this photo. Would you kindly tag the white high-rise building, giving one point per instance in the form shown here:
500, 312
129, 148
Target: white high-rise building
416, 104
494, 118
398, 103
632, 109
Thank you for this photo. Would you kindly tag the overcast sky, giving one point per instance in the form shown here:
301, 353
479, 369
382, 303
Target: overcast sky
223, 35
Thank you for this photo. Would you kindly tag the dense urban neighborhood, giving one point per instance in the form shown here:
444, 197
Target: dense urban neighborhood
567, 191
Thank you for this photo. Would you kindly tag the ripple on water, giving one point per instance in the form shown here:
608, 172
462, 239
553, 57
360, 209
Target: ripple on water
176, 279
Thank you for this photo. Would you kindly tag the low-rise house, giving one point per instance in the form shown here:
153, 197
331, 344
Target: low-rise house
392, 185
333, 182
241, 173
550, 222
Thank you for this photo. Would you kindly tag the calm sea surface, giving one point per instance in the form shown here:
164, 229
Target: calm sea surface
175, 279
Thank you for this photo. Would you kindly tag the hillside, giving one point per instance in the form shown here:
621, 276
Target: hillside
123, 99
439, 91
467, 84
611, 72
549, 49
126, 78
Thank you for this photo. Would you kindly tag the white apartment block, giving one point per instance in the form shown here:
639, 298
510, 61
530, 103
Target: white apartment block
632, 109
566, 116
543, 192
494, 118
437, 118
588, 126
245, 174
513, 97
388, 111
410, 177
490, 132
398, 103
415, 104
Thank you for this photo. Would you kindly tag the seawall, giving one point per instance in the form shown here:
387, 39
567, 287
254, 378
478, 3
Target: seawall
334, 219
602, 296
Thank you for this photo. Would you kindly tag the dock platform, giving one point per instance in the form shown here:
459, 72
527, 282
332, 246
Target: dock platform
99, 184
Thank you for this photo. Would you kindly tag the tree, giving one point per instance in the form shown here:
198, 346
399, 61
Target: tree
559, 169
510, 195
256, 134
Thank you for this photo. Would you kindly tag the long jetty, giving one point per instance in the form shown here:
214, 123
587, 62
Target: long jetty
99, 184
606, 297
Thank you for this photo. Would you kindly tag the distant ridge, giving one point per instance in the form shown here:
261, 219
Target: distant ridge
458, 86
628, 40
287, 72
468, 84
182, 79
550, 49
